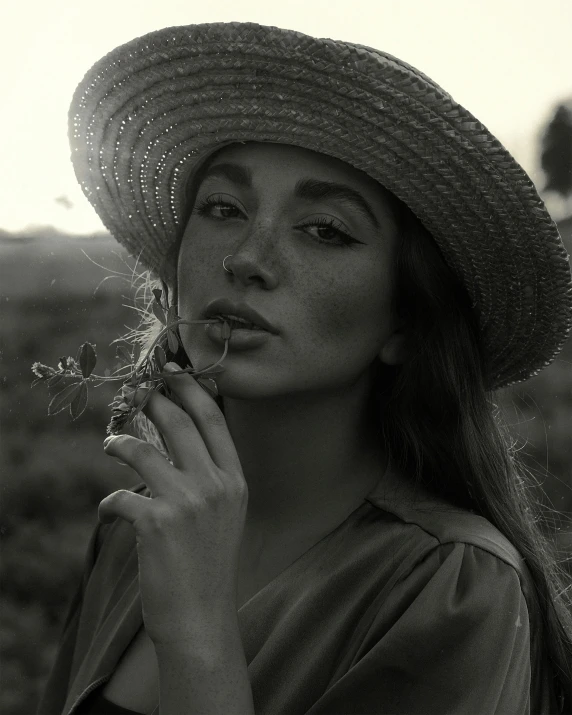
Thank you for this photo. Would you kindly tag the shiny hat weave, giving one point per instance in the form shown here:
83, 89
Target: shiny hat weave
147, 115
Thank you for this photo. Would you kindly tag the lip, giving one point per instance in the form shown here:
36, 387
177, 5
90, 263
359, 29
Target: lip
227, 306
239, 339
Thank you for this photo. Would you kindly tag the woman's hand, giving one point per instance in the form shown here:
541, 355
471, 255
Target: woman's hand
189, 532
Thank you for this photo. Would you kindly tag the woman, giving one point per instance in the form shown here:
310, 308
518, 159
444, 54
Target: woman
343, 529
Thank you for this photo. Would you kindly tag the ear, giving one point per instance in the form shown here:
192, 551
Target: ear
395, 349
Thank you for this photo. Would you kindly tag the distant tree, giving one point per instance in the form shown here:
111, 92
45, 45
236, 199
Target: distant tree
556, 152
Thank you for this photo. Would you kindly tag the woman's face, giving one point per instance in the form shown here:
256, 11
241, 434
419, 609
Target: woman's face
311, 241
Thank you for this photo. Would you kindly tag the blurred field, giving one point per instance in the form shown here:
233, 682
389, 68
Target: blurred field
54, 471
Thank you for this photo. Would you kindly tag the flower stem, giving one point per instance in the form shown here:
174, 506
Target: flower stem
156, 341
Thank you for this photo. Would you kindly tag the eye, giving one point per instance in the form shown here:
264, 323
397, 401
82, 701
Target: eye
216, 207
328, 230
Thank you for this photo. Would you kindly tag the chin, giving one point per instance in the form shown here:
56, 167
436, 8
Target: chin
240, 384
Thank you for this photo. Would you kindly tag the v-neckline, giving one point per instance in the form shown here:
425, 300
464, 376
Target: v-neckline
320, 543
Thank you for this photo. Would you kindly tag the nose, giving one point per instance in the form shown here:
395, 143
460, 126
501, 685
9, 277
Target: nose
251, 262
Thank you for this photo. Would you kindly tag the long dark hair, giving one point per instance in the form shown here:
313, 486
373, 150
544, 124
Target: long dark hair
442, 427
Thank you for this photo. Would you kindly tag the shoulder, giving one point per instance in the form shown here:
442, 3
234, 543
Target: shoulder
438, 523
451, 602
453, 556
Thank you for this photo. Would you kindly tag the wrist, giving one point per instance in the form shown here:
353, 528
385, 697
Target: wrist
181, 633
204, 669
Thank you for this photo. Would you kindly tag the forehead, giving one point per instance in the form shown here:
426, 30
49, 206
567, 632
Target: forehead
266, 155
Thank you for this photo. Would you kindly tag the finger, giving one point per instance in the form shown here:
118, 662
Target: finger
144, 458
207, 416
123, 504
184, 442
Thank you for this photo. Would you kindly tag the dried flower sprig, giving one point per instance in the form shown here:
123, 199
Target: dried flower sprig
76, 373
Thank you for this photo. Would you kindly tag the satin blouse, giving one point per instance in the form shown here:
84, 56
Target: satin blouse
409, 606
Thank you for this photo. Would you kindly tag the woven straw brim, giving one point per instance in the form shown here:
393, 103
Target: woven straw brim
148, 113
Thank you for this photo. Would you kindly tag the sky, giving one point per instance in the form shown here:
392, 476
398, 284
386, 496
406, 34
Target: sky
504, 60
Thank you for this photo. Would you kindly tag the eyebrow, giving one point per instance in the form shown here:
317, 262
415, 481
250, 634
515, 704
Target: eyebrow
307, 189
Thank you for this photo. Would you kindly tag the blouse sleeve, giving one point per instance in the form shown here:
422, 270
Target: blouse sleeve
57, 684
456, 642
54, 694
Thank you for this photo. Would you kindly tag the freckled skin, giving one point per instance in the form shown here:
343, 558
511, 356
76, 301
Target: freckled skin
297, 407
329, 302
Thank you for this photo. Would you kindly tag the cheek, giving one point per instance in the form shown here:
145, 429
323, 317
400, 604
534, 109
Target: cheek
350, 312
189, 251
192, 266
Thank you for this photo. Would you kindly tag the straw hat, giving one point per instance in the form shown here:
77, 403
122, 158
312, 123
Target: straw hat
148, 114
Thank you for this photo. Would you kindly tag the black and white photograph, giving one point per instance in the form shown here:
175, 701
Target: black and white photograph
285, 319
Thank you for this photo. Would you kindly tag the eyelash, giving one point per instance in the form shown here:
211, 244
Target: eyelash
202, 208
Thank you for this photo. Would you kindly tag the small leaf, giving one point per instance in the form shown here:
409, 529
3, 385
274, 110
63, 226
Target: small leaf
160, 357
157, 292
123, 407
123, 354
64, 398
55, 380
173, 341
126, 390
66, 363
208, 385
79, 403
43, 371
158, 312
136, 353
87, 359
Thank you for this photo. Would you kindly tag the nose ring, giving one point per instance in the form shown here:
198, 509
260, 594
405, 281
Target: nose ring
225, 268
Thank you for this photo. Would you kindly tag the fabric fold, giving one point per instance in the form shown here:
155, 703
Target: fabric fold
408, 606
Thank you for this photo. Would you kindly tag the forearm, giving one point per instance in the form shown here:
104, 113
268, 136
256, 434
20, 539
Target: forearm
206, 674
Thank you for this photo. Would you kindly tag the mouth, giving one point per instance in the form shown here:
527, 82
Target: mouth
236, 335
236, 323
239, 316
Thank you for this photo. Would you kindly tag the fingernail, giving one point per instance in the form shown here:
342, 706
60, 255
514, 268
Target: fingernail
171, 367
109, 439
211, 390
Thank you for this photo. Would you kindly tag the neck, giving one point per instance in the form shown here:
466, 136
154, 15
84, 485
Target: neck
306, 456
